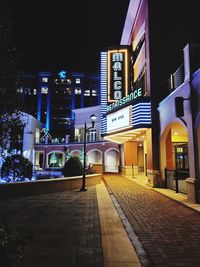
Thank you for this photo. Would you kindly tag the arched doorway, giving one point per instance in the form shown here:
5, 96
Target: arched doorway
94, 156
174, 160
55, 159
94, 160
112, 160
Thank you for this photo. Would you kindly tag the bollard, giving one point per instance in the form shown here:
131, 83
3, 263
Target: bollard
176, 180
132, 171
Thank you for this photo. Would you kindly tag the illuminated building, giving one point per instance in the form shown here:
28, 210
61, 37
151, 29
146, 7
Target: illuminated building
51, 156
154, 33
51, 97
180, 128
63, 103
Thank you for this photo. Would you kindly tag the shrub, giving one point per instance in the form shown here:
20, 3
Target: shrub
73, 167
17, 167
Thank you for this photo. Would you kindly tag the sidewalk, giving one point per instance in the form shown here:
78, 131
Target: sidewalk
64, 227
83, 229
181, 198
168, 230
71, 229
117, 248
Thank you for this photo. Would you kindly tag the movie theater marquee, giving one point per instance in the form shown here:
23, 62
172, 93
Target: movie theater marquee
117, 74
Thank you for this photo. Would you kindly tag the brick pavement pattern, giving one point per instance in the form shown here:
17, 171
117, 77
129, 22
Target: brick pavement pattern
64, 227
168, 230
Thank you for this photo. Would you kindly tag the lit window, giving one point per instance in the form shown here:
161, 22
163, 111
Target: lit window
44, 90
55, 159
69, 91
20, 90
35, 91
92, 135
77, 91
27, 91
94, 93
45, 79
78, 80
87, 93
69, 81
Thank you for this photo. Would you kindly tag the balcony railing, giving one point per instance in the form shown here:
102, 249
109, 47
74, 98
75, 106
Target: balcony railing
175, 180
176, 79
60, 141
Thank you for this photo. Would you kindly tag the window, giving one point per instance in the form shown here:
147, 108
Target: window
45, 79
68, 91
44, 90
94, 93
141, 82
92, 135
55, 160
87, 93
78, 81
20, 90
28, 91
77, 91
37, 135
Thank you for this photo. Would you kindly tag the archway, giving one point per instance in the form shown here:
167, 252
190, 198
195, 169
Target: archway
94, 156
112, 160
55, 159
174, 160
94, 159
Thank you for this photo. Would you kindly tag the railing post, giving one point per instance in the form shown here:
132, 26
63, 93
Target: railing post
165, 177
176, 180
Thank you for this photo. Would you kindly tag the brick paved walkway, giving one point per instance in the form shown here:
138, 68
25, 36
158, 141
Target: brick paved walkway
64, 226
169, 231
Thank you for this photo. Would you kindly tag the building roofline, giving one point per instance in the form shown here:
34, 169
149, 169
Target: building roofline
129, 21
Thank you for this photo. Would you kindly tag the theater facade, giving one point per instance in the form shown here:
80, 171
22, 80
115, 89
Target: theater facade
125, 112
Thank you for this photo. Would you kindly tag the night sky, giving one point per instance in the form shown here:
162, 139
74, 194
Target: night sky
52, 35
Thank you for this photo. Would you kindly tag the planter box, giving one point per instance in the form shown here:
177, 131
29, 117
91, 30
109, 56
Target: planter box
21, 189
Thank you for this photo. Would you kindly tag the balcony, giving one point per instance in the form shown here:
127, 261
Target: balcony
176, 79
62, 141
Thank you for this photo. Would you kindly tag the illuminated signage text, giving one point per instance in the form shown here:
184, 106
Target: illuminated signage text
117, 74
119, 119
124, 100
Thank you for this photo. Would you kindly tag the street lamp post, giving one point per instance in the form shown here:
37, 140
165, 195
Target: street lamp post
93, 118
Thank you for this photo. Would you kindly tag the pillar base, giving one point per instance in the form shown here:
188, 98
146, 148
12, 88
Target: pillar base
193, 191
154, 178
130, 171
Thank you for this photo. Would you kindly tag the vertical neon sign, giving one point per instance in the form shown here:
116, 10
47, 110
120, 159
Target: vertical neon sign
117, 74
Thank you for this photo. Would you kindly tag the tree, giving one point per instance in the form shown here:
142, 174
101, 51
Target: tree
11, 131
17, 166
73, 167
